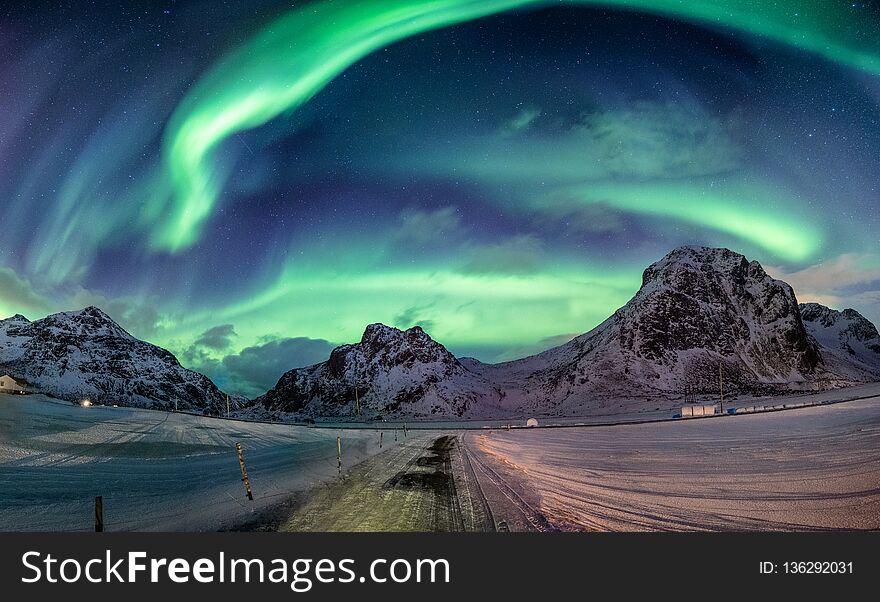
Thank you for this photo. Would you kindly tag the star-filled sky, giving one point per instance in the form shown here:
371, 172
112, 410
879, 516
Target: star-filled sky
249, 184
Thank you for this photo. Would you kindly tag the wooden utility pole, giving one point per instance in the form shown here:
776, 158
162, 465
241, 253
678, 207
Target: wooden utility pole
357, 401
339, 453
244, 476
227, 405
99, 514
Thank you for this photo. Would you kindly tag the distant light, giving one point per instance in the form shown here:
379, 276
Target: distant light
86, 403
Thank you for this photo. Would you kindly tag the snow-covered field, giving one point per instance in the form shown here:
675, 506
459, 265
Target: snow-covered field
155, 470
797, 469
801, 469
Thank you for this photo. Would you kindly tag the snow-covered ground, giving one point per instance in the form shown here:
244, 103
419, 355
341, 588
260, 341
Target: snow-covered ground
801, 469
155, 470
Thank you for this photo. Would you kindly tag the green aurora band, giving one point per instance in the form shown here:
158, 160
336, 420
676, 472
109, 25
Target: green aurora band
736, 210
296, 56
466, 310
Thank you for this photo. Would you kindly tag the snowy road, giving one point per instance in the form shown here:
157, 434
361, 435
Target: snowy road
430, 482
419, 485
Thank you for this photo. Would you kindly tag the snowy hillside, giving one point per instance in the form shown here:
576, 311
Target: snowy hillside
850, 342
85, 354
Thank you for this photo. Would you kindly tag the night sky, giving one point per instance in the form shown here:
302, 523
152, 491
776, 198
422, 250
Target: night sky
250, 183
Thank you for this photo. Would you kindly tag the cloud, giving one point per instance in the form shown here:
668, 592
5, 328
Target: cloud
544, 344
521, 254
421, 227
522, 121
494, 354
658, 140
576, 218
557, 340
640, 141
415, 316
255, 370
217, 338
200, 360
18, 295
848, 280
846, 270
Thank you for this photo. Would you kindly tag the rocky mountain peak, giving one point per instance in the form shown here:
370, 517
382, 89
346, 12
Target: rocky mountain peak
816, 312
17, 318
717, 300
378, 335
88, 322
850, 342
693, 260
404, 347
389, 371
856, 324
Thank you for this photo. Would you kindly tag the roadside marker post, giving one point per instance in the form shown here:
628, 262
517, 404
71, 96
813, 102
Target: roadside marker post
339, 454
99, 514
404, 430
244, 475
380, 439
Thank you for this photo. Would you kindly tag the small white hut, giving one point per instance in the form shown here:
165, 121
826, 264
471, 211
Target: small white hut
9, 384
532, 422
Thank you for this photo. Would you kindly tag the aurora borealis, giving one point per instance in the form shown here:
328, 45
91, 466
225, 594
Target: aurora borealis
248, 184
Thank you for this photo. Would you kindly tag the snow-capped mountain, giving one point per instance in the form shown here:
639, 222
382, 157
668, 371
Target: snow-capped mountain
850, 342
389, 372
699, 311
700, 316
85, 354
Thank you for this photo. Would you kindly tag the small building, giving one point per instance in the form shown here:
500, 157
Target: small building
696, 410
532, 422
9, 384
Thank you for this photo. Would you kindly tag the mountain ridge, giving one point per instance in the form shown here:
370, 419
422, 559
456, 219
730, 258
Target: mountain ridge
851, 342
699, 310
85, 354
